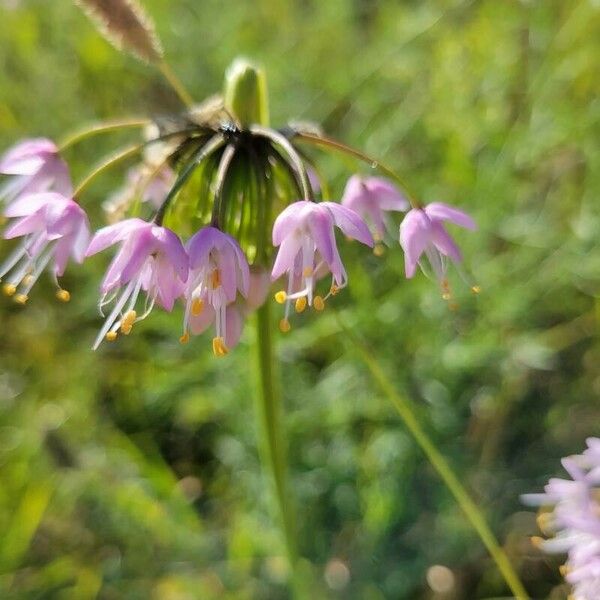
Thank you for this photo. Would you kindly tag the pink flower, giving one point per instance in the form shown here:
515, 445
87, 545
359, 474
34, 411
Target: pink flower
574, 520
218, 271
36, 167
54, 229
304, 232
151, 259
422, 232
372, 198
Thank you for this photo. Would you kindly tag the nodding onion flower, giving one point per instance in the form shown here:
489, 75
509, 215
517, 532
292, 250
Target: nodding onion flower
422, 232
218, 271
35, 166
372, 198
571, 517
304, 232
220, 177
151, 259
54, 228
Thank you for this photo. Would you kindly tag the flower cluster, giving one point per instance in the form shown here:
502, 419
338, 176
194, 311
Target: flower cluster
211, 273
572, 517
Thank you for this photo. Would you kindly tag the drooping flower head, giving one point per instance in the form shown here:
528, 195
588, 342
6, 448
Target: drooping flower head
304, 232
36, 167
574, 520
422, 232
54, 228
372, 198
151, 259
218, 271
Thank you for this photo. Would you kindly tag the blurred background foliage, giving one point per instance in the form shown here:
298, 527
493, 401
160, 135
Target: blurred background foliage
133, 472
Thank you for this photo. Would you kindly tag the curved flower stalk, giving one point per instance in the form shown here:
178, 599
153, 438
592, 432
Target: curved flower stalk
151, 259
572, 518
422, 232
304, 233
54, 228
34, 166
218, 271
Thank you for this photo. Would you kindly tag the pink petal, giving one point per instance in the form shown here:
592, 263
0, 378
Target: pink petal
173, 249
233, 326
387, 195
415, 234
25, 226
291, 218
26, 157
30, 203
284, 261
444, 212
107, 236
443, 242
349, 222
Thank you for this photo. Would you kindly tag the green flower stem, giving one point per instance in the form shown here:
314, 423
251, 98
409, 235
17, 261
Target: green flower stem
175, 83
321, 140
97, 128
471, 510
269, 410
107, 164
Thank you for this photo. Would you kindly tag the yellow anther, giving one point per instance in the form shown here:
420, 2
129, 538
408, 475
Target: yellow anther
307, 272
185, 338
27, 279
334, 289
537, 541
476, 289
63, 295
284, 326
280, 297
21, 298
446, 294
8, 289
219, 347
128, 321
215, 279
197, 307
379, 250
563, 570
543, 521
318, 303
300, 304
111, 336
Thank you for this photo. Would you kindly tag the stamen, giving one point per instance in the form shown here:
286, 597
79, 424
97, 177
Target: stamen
63, 295
219, 347
9, 289
476, 289
21, 298
197, 306
215, 279
446, 293
111, 336
307, 272
537, 541
128, 321
379, 250
185, 338
284, 326
334, 289
319, 303
280, 297
300, 304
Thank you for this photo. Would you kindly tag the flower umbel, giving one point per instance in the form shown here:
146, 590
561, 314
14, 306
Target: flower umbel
151, 259
574, 520
54, 228
422, 232
304, 233
218, 271
372, 198
36, 167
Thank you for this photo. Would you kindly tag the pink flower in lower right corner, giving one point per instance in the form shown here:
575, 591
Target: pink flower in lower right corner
423, 232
